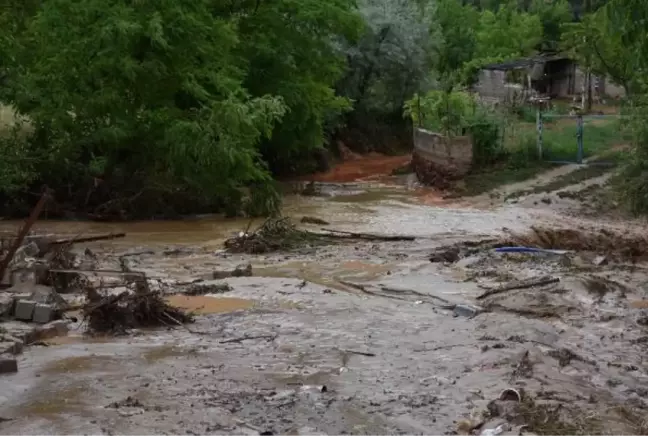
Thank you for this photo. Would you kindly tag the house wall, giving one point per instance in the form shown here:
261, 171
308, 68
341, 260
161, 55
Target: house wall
437, 159
491, 84
608, 88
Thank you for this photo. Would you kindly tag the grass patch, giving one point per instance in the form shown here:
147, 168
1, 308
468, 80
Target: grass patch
577, 176
602, 138
560, 138
488, 179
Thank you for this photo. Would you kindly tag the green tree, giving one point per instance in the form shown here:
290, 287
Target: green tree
139, 94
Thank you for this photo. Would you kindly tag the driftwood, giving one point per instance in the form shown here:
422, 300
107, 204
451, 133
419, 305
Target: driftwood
522, 284
35, 213
88, 239
366, 236
117, 314
245, 338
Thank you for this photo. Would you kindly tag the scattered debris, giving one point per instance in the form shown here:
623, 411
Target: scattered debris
281, 234
521, 284
207, 288
8, 365
314, 220
239, 271
247, 337
360, 353
466, 310
625, 246
274, 234
116, 314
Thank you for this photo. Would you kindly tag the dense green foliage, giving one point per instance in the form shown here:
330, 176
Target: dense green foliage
130, 108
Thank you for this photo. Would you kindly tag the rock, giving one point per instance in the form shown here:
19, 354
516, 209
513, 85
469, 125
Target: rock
466, 310
43, 313
239, 271
600, 260
446, 254
314, 220
310, 431
46, 295
11, 345
6, 305
25, 310
8, 366
49, 331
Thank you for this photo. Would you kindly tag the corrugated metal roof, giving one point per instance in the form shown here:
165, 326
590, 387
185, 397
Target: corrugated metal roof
525, 63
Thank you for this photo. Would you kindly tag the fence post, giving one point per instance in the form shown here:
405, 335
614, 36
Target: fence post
579, 139
539, 127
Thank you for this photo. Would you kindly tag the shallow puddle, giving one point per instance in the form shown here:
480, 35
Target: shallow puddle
202, 305
77, 364
54, 403
329, 276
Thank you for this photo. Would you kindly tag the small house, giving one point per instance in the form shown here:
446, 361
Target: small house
548, 75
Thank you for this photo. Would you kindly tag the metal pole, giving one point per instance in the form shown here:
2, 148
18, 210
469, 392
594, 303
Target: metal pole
539, 127
579, 139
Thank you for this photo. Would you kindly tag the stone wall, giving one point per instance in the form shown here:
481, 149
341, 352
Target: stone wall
437, 160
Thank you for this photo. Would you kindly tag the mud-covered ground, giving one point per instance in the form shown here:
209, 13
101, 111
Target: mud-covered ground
361, 337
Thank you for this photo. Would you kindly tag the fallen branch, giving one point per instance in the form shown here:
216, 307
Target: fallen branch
88, 239
24, 230
360, 353
245, 338
366, 236
522, 284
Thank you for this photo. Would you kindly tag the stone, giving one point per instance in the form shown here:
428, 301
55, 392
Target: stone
466, 310
24, 310
49, 331
8, 366
46, 295
6, 305
43, 313
11, 345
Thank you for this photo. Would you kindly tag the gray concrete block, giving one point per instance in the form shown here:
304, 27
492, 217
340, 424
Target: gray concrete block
43, 313
46, 295
24, 310
8, 366
11, 345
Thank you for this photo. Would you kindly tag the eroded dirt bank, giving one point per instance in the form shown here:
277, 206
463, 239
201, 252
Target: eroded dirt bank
401, 344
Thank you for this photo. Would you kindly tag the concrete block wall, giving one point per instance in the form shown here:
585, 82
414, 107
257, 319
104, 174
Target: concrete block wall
438, 159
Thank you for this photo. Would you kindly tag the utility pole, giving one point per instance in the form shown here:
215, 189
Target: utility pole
588, 75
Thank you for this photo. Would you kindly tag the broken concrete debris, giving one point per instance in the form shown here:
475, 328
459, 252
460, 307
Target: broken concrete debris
8, 365
24, 310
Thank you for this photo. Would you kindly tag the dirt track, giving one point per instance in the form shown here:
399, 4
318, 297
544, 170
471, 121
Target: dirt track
394, 359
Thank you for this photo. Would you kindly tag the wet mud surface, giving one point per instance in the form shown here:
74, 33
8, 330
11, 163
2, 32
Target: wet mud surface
356, 338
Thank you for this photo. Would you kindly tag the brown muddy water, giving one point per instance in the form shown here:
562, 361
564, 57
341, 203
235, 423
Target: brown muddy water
393, 358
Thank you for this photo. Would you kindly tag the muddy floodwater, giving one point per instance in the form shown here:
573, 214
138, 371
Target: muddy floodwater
360, 337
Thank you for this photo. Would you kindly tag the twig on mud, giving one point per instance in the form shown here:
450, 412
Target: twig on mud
245, 338
413, 292
522, 284
367, 236
360, 353
364, 290
388, 292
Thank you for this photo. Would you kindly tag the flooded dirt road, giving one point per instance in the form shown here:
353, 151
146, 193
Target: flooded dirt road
353, 338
